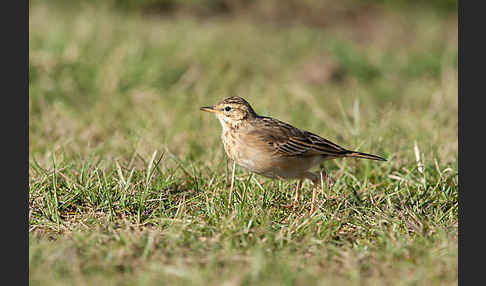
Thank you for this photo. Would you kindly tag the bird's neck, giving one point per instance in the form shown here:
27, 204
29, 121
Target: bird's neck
232, 126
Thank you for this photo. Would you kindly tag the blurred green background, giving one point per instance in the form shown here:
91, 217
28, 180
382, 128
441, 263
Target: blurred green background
162, 59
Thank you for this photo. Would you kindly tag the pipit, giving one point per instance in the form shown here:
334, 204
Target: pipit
273, 148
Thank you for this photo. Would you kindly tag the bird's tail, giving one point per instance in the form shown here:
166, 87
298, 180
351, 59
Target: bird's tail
355, 154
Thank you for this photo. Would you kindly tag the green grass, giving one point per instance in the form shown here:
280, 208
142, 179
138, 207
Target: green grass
129, 183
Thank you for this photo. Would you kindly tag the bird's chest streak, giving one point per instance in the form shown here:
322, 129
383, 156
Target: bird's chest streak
237, 149
230, 145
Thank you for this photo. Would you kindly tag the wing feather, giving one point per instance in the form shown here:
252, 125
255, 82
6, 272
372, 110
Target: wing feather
287, 140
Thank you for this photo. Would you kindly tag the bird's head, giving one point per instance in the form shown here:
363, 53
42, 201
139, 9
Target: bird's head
231, 111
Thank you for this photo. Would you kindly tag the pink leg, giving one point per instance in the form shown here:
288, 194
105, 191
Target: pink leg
314, 196
297, 192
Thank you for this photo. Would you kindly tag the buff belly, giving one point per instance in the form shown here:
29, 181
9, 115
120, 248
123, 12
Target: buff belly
265, 164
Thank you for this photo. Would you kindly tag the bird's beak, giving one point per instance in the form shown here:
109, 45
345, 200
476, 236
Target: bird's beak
209, 109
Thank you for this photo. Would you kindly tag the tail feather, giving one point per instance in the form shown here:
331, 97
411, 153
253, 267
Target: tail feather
355, 154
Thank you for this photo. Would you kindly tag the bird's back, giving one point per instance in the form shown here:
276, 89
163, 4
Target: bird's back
287, 140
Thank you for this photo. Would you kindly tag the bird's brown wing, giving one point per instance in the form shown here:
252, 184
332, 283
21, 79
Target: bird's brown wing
286, 140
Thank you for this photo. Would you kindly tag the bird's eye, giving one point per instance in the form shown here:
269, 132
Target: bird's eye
227, 108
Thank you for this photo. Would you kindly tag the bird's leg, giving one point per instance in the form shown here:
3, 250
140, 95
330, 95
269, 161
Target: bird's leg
297, 196
297, 192
314, 196
232, 183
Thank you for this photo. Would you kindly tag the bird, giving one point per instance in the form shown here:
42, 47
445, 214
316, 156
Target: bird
273, 148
